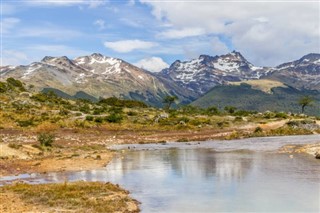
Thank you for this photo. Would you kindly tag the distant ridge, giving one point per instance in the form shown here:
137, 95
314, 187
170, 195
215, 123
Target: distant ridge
97, 76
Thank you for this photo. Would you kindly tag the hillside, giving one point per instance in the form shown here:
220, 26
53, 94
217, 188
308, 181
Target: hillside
303, 73
246, 97
95, 75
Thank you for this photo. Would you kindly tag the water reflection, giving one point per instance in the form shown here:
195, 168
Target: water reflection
194, 163
202, 180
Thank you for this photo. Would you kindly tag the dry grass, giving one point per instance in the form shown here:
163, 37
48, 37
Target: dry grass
75, 197
264, 85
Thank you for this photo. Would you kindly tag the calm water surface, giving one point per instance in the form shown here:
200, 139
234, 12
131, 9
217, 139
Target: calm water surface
200, 179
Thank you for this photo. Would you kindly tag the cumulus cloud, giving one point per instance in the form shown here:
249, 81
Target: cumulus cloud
267, 33
125, 46
153, 64
100, 23
181, 33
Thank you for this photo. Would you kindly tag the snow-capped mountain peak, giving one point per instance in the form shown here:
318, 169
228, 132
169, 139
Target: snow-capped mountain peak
203, 73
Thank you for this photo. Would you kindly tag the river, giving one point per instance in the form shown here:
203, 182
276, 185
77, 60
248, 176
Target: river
218, 176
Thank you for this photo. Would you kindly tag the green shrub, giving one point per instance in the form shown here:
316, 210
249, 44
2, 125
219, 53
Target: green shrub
84, 108
238, 118
258, 130
230, 109
25, 123
64, 112
116, 102
116, 110
98, 120
114, 118
212, 110
184, 119
14, 146
46, 139
15, 83
3, 87
131, 113
281, 115
89, 118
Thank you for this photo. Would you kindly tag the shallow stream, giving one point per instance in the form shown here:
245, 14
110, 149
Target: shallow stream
221, 176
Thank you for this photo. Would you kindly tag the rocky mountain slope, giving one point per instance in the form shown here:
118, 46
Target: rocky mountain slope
96, 75
100, 76
202, 74
303, 73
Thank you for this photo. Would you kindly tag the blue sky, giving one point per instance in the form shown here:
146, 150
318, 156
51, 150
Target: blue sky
153, 34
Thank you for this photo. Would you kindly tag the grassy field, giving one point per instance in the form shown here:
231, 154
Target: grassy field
67, 197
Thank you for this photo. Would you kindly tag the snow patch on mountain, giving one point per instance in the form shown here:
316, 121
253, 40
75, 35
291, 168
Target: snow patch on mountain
33, 67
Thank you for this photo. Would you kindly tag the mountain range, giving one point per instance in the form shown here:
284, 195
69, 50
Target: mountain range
101, 76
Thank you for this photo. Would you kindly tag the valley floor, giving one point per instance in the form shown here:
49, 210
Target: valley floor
76, 150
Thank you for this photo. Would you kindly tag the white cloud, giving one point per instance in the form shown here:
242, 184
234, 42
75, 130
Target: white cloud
33, 53
54, 2
14, 57
132, 23
219, 47
57, 50
8, 24
63, 3
182, 33
153, 64
265, 32
125, 46
96, 3
131, 2
52, 32
100, 23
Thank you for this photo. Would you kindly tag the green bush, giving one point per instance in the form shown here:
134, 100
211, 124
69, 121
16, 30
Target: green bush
46, 139
89, 118
14, 146
64, 112
13, 83
116, 102
184, 119
238, 118
258, 130
98, 120
131, 113
212, 110
25, 123
3, 87
230, 109
114, 118
281, 115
